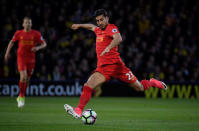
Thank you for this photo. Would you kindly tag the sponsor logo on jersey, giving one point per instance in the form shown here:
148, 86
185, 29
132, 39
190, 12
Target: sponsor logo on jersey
99, 39
27, 42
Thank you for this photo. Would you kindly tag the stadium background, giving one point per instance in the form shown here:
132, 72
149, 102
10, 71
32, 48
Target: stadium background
160, 39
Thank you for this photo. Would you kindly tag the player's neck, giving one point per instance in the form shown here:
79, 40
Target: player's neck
27, 30
105, 27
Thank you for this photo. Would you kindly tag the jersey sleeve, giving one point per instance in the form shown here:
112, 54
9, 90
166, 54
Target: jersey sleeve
16, 36
113, 30
39, 38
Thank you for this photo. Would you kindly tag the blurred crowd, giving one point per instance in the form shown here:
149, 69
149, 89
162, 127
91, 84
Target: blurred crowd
159, 37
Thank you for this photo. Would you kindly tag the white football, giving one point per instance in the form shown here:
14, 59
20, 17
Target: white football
89, 117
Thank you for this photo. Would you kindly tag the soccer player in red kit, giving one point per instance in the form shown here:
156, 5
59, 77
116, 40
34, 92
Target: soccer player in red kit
109, 63
28, 40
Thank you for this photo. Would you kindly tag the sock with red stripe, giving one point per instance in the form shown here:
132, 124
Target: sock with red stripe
85, 97
22, 88
146, 84
156, 83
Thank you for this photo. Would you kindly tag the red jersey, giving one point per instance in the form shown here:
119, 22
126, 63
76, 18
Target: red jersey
27, 40
103, 39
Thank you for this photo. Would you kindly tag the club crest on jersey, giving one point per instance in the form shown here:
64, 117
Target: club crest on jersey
114, 30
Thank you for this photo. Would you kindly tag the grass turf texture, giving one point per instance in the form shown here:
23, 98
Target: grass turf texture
114, 114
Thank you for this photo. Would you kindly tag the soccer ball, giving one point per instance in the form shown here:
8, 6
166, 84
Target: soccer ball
89, 117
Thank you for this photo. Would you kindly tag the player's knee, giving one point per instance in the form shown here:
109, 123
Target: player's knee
89, 85
23, 78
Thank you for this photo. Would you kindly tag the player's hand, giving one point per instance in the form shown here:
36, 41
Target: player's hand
34, 49
105, 51
7, 57
75, 26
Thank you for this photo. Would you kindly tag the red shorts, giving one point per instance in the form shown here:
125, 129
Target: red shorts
26, 65
118, 71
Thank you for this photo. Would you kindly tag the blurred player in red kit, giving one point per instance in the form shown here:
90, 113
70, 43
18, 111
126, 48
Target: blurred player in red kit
109, 63
27, 46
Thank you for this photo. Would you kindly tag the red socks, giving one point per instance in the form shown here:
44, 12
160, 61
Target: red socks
152, 83
156, 83
146, 84
22, 88
85, 97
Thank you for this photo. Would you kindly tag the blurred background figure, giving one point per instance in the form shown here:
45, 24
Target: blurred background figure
29, 42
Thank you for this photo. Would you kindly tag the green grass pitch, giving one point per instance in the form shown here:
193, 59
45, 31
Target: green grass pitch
114, 114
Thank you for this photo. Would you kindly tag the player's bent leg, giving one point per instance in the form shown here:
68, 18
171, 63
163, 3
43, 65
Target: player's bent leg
94, 80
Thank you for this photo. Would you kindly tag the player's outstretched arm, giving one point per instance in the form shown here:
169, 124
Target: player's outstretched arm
117, 39
85, 26
10, 45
